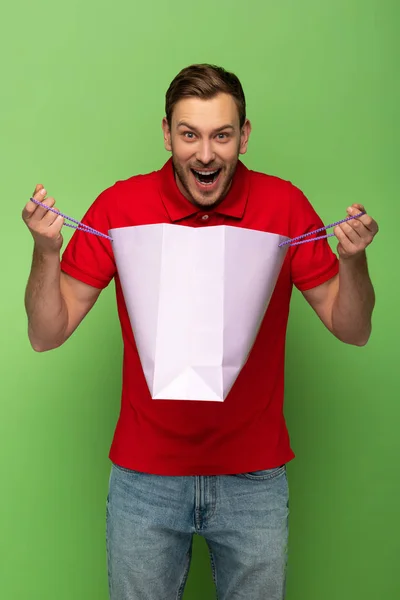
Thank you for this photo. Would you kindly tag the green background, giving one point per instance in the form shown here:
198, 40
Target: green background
82, 98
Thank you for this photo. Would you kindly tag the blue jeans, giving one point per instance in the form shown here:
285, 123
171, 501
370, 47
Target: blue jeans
151, 521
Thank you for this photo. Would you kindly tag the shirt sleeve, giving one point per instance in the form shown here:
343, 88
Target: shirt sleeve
88, 257
313, 263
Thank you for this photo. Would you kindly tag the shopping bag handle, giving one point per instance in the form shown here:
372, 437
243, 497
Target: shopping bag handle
292, 242
296, 241
75, 224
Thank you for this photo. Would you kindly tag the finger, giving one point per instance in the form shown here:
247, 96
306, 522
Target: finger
54, 230
30, 208
359, 226
366, 220
349, 240
353, 230
51, 217
38, 188
33, 213
41, 212
56, 225
345, 243
356, 208
370, 224
40, 195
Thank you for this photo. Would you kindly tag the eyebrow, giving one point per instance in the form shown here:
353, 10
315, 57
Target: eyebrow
184, 124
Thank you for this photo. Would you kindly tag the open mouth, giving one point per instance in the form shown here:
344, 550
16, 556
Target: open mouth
206, 177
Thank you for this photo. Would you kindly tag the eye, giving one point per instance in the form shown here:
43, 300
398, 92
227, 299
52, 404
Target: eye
189, 135
222, 136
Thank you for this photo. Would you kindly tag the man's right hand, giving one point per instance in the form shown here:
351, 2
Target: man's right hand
44, 225
55, 302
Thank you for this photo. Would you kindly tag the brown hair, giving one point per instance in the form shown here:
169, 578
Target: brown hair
204, 81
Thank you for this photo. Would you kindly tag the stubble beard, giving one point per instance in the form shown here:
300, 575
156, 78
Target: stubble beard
200, 199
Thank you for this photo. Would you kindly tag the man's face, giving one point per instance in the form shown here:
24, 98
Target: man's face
205, 140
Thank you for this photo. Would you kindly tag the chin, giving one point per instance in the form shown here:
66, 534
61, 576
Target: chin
206, 202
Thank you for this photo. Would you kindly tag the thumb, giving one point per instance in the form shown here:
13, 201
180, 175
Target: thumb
38, 188
355, 209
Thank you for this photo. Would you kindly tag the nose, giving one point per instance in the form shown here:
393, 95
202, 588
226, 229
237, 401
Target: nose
205, 153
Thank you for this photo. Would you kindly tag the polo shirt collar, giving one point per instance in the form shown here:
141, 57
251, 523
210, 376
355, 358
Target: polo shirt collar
178, 207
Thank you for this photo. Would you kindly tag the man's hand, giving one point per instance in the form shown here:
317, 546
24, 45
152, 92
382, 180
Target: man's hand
44, 225
355, 235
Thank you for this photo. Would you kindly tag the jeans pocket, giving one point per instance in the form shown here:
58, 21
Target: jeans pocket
264, 473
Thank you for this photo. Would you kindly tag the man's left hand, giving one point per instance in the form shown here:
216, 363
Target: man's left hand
355, 235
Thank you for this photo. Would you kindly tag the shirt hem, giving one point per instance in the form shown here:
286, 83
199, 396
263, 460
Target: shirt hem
83, 277
308, 285
187, 470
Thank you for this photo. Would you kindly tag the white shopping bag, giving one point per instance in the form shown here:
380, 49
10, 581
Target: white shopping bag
196, 298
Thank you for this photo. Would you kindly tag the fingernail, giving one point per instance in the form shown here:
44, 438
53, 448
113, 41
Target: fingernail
43, 192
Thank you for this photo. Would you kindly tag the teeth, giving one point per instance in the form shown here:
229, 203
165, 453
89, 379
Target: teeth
206, 172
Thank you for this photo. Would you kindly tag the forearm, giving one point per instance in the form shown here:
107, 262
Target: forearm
354, 302
44, 303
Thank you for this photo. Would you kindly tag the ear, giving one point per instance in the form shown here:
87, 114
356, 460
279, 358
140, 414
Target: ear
244, 137
167, 135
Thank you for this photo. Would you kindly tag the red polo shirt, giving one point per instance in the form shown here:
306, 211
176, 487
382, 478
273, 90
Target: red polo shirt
247, 431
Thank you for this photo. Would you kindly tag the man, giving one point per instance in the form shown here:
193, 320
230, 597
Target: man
185, 467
